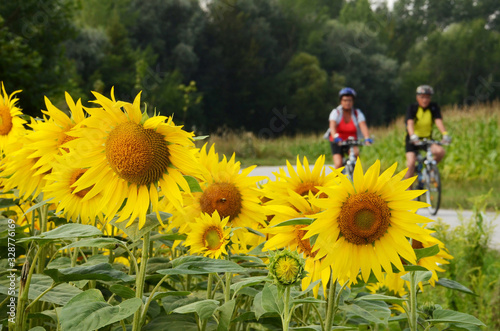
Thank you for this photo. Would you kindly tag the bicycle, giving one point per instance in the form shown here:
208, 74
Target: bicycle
348, 150
428, 177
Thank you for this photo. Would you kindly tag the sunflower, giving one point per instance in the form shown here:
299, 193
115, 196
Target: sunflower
209, 236
49, 135
391, 283
432, 263
60, 187
301, 181
131, 157
365, 224
227, 190
11, 124
19, 170
292, 236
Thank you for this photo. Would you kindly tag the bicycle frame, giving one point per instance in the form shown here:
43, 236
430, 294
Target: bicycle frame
428, 176
350, 161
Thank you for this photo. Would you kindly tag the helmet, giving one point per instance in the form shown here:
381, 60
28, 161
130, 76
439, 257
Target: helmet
425, 89
347, 91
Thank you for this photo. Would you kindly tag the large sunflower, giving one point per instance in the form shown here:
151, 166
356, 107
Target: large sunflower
11, 125
210, 236
365, 224
292, 236
131, 157
227, 190
301, 181
49, 135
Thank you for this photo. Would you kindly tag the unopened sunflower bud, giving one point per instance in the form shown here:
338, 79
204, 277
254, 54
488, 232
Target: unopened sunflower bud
286, 267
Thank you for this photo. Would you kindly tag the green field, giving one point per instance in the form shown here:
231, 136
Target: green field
469, 169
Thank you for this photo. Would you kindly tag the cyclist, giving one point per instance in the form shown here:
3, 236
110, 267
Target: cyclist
419, 119
345, 122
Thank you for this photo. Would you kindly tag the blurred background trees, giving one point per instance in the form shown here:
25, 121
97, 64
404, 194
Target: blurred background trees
216, 63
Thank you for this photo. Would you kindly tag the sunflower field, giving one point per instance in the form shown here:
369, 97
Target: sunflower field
114, 220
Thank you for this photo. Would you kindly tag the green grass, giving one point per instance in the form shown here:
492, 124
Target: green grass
470, 168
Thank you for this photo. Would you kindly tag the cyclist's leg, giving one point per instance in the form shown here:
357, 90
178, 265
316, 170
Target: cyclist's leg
411, 158
438, 152
337, 160
337, 155
356, 151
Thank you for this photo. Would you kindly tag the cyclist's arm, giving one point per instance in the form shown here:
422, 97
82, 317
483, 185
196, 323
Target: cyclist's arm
440, 125
410, 127
364, 129
333, 128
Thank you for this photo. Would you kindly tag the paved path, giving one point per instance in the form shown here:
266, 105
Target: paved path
451, 217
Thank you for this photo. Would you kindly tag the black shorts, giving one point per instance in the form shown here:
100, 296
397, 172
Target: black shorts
410, 147
336, 149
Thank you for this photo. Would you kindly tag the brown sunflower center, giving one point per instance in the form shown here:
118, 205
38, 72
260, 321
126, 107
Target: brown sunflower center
137, 155
304, 188
74, 177
212, 238
364, 218
65, 139
304, 244
5, 120
415, 244
223, 197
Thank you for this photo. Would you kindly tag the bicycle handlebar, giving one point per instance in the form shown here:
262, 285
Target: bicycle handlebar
352, 142
428, 142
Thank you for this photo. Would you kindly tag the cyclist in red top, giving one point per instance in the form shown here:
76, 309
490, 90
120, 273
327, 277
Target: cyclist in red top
346, 121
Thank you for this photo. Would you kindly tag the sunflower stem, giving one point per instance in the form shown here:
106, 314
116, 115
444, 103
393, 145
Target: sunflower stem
413, 302
331, 303
209, 286
227, 291
23, 293
285, 318
140, 279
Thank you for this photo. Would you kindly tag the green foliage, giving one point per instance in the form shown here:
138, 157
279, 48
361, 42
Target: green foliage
475, 265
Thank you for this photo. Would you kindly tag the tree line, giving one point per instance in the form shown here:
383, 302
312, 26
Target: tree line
269, 66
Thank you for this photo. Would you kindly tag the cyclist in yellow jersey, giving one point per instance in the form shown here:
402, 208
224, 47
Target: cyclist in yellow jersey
420, 117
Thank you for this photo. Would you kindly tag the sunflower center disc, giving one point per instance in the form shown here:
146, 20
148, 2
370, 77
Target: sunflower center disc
74, 177
223, 197
137, 155
5, 120
364, 218
64, 140
304, 188
212, 238
304, 244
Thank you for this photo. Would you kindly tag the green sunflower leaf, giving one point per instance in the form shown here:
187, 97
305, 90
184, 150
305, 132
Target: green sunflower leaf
123, 291
133, 230
199, 265
6, 203
65, 232
204, 308
89, 311
427, 251
101, 271
248, 282
451, 316
380, 297
448, 283
94, 242
226, 312
38, 205
295, 221
194, 186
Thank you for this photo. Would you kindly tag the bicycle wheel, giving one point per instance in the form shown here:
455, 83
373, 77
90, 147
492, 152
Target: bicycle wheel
433, 187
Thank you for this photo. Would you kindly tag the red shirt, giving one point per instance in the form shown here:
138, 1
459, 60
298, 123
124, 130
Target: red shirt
346, 130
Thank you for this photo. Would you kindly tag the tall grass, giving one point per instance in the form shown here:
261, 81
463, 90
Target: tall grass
475, 265
472, 161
